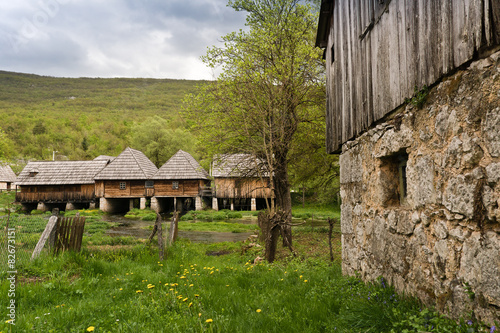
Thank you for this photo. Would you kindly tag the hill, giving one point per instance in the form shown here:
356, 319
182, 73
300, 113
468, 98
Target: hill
82, 117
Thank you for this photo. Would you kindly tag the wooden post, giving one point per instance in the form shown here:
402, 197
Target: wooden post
173, 228
160, 235
48, 234
330, 232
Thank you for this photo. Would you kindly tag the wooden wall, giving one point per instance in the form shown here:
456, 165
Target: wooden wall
189, 188
379, 51
111, 188
241, 188
56, 193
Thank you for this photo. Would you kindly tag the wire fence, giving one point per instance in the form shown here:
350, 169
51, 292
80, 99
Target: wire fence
19, 235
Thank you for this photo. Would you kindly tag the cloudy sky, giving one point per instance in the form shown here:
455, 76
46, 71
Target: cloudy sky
113, 38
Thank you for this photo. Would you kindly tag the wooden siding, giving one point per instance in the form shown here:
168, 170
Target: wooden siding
189, 188
241, 188
53, 193
382, 50
111, 188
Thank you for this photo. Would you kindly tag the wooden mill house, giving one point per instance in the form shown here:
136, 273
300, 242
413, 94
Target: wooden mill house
7, 177
241, 182
127, 179
63, 184
413, 109
180, 184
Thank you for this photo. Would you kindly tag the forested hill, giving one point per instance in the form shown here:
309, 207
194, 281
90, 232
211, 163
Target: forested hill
82, 118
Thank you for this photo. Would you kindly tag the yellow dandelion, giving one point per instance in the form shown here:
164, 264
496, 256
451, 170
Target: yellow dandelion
151, 286
258, 310
208, 320
196, 295
190, 304
185, 299
305, 280
227, 285
199, 314
121, 288
139, 291
300, 277
191, 285
90, 329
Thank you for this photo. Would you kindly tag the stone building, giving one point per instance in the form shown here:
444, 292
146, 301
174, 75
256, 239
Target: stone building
413, 107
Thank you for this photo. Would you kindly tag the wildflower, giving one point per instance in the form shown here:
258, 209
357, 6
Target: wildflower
191, 285
121, 288
300, 277
196, 295
305, 280
139, 291
469, 322
185, 299
258, 310
190, 304
208, 320
493, 329
151, 286
90, 329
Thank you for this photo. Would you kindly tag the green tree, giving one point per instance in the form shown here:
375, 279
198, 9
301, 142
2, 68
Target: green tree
270, 83
155, 138
6, 150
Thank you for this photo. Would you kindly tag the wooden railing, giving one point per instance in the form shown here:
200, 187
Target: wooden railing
54, 196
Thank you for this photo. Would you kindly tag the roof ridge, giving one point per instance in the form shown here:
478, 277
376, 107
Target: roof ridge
136, 161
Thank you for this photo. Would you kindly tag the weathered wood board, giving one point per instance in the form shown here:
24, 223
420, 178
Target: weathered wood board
379, 52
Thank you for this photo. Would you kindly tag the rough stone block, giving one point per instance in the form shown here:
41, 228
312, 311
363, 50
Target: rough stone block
459, 195
491, 130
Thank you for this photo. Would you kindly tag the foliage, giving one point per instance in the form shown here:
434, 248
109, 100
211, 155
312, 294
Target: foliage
419, 97
211, 215
84, 117
156, 138
217, 226
270, 84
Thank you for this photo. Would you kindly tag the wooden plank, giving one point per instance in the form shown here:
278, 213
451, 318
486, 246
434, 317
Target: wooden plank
49, 229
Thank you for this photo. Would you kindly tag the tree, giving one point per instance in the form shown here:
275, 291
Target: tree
158, 141
270, 83
6, 150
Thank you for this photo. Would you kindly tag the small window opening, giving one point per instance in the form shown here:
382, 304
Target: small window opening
175, 185
393, 179
332, 53
123, 185
150, 184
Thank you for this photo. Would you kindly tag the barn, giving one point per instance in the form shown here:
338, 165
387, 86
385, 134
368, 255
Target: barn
241, 182
413, 109
58, 184
180, 184
124, 183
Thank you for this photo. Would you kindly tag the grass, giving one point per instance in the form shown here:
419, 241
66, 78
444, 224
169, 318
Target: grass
119, 285
141, 214
213, 215
217, 226
129, 290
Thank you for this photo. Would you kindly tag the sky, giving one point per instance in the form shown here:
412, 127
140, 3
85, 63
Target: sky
113, 38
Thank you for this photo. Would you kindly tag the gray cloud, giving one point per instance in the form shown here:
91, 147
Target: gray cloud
113, 38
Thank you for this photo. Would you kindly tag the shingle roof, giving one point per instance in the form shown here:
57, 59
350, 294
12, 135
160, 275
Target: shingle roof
181, 166
104, 158
238, 165
6, 174
59, 172
131, 164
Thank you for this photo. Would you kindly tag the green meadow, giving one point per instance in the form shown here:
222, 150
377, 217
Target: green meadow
118, 284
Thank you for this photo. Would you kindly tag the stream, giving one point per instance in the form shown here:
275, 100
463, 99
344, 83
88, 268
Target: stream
139, 229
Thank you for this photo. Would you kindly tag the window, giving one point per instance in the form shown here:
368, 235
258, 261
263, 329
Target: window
392, 179
150, 184
175, 185
123, 185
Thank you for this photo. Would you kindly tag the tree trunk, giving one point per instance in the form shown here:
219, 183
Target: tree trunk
283, 197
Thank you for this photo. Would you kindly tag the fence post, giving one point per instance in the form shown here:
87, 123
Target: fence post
49, 232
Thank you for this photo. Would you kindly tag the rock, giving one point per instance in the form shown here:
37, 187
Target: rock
491, 131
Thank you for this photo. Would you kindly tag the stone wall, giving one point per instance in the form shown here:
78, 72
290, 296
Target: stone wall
421, 195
